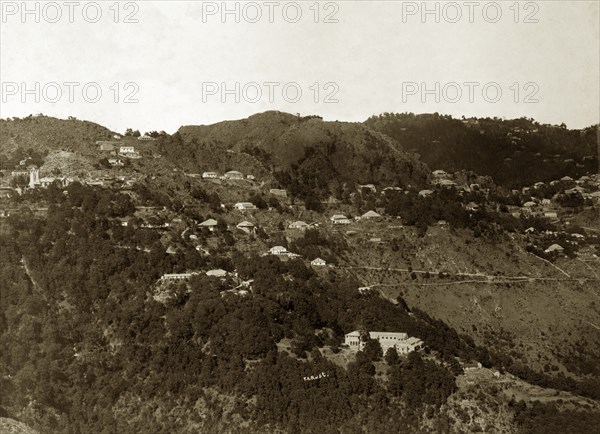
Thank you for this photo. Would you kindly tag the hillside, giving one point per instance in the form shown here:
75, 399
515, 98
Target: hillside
514, 152
307, 155
43, 133
141, 298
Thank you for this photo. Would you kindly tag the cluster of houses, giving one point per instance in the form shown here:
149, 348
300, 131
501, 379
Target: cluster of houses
400, 341
341, 219
46, 181
115, 148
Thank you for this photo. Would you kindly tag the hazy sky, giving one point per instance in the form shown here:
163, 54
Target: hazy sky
378, 57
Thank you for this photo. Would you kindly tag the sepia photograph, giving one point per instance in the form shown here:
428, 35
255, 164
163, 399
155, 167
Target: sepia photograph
300, 217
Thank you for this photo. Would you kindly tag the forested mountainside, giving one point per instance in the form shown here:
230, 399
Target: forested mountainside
140, 296
514, 152
312, 158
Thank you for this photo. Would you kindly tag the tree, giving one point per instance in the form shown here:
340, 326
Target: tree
391, 357
373, 350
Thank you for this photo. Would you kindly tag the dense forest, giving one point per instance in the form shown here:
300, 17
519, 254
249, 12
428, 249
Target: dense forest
87, 346
514, 152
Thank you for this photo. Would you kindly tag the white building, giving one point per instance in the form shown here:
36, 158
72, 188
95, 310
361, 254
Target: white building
340, 219
177, 276
246, 226
278, 192
401, 341
234, 174
298, 225
555, 248
210, 175
370, 215
245, 206
278, 250
211, 224
217, 273
128, 152
318, 262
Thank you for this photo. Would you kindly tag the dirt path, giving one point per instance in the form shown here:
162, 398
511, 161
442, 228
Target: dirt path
36, 287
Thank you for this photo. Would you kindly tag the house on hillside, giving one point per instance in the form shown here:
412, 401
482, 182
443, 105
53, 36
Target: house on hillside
105, 146
472, 206
555, 248
116, 162
340, 219
234, 175
425, 193
318, 262
370, 215
446, 183
250, 177
210, 224
128, 152
440, 174
278, 251
551, 215
210, 175
299, 225
400, 341
177, 276
245, 206
146, 137
246, 226
278, 192
217, 273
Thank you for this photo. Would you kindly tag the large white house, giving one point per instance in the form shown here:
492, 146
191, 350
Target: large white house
340, 219
401, 341
278, 250
128, 152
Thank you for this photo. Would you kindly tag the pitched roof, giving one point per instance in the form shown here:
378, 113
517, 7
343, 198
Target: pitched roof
209, 222
370, 214
555, 248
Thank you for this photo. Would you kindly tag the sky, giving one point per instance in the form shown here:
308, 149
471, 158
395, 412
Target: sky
157, 65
